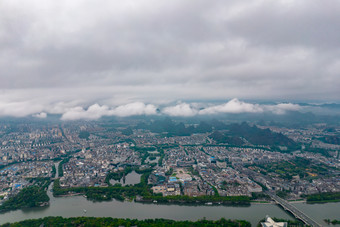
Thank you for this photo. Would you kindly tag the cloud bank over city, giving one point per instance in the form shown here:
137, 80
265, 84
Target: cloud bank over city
233, 106
86, 59
182, 109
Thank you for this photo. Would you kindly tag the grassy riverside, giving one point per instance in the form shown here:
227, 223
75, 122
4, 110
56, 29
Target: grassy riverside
120, 193
326, 197
92, 221
223, 200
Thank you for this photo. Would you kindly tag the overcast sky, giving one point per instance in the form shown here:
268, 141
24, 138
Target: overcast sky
56, 56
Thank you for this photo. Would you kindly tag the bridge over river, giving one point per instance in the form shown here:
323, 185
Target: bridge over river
292, 209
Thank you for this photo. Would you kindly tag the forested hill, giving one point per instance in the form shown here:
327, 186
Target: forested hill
244, 134
223, 138
331, 139
180, 129
257, 136
175, 129
233, 134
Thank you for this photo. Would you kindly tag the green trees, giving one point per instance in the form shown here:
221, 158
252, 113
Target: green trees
28, 197
118, 175
84, 135
333, 222
226, 200
60, 167
54, 171
92, 221
301, 167
324, 197
116, 191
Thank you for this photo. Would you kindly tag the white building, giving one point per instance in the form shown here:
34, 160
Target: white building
271, 223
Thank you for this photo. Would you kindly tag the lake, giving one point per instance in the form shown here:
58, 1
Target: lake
132, 178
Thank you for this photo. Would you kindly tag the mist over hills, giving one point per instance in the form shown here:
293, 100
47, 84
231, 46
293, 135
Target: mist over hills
232, 110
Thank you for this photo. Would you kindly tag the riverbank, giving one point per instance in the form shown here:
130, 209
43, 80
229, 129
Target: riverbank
34, 195
93, 221
141, 193
323, 201
324, 197
262, 202
298, 201
74, 206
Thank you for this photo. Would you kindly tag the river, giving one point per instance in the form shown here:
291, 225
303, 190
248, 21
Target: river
74, 206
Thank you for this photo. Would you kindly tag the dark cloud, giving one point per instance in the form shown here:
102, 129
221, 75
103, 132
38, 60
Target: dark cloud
113, 53
310, 24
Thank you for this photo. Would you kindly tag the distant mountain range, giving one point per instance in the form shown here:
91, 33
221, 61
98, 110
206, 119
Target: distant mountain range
233, 134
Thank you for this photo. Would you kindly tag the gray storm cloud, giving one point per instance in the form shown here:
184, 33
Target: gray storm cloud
63, 56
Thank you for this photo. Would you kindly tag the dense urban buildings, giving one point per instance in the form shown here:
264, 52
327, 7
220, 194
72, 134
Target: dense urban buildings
207, 161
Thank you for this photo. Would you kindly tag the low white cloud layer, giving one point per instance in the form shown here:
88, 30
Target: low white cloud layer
180, 110
75, 111
282, 108
93, 112
19, 109
97, 111
40, 115
136, 108
233, 106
